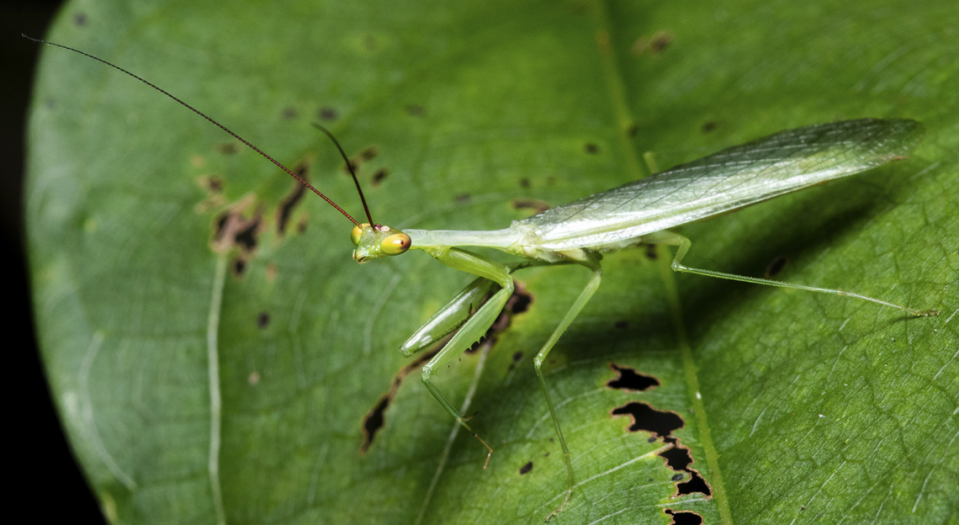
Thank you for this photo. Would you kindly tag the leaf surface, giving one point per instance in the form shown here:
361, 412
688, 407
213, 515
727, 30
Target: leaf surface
232, 378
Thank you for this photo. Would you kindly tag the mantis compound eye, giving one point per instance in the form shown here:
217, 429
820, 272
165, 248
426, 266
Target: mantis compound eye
396, 244
357, 232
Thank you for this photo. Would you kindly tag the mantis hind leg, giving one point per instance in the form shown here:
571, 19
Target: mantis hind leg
683, 244
581, 301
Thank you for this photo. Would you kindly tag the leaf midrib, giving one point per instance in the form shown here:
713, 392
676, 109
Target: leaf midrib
620, 108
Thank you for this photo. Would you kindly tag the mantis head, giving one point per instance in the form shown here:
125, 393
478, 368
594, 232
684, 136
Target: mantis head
373, 242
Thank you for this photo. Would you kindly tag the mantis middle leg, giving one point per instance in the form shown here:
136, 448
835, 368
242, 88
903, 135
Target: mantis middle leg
574, 310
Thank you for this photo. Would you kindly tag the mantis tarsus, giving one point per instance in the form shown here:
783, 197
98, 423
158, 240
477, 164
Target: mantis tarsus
640, 212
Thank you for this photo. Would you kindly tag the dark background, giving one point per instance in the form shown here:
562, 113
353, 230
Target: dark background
49, 484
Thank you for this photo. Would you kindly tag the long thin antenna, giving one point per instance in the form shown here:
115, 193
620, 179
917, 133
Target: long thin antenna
198, 112
349, 166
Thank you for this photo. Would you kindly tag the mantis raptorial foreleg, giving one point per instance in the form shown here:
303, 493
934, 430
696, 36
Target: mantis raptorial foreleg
675, 239
584, 296
474, 328
450, 317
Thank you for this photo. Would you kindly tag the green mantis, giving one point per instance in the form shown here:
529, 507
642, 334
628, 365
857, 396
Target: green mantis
637, 213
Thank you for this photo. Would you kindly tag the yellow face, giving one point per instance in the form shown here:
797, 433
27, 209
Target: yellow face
373, 242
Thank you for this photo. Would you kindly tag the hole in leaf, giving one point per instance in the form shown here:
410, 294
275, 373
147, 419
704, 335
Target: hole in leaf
662, 424
684, 517
647, 418
631, 380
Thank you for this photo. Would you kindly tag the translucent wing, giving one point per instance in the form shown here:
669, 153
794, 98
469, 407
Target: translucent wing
733, 178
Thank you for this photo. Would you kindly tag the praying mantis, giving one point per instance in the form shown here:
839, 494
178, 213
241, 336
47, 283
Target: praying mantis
640, 212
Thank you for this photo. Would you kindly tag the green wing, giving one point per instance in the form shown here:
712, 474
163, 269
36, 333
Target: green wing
730, 179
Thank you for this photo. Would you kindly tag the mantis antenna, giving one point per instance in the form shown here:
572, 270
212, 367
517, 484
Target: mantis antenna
349, 166
228, 130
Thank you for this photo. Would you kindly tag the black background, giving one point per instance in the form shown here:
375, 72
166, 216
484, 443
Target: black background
48, 485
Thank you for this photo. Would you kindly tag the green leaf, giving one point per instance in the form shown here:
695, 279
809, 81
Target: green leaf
231, 379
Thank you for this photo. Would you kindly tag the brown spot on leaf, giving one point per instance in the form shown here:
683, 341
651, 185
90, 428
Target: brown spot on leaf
233, 231
369, 153
775, 266
516, 358
228, 148
238, 267
327, 114
285, 210
375, 419
653, 45
651, 252
516, 304
379, 176
345, 168
247, 237
214, 184
536, 205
